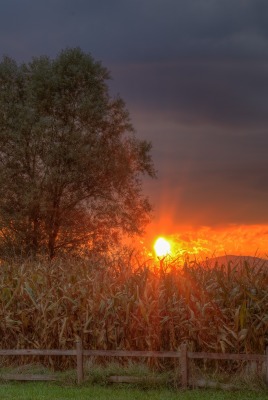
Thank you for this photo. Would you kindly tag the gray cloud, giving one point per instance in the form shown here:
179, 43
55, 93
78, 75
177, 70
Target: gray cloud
196, 92
139, 30
195, 79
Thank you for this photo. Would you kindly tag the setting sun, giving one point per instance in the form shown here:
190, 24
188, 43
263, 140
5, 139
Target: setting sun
161, 247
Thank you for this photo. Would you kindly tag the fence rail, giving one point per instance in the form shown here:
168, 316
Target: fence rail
37, 352
183, 355
132, 353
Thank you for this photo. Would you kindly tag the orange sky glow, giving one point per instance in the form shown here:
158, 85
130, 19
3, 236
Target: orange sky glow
204, 231
205, 241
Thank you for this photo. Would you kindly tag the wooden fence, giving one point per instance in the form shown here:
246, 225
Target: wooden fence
183, 355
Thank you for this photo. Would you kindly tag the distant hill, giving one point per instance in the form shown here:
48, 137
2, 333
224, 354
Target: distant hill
236, 261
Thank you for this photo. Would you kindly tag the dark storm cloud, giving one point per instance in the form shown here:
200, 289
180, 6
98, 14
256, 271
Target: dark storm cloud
194, 74
226, 93
160, 30
213, 178
139, 30
208, 122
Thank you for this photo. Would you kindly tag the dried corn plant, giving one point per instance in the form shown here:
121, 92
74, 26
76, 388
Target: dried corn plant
122, 304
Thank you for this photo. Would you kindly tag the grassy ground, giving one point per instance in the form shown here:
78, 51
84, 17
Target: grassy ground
50, 391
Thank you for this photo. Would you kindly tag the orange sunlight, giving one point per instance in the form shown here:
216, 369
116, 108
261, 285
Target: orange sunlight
162, 247
204, 241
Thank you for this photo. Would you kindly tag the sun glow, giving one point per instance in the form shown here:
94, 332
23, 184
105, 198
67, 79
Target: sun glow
162, 247
200, 242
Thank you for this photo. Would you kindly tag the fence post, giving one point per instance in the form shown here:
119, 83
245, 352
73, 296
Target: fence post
184, 366
79, 361
266, 376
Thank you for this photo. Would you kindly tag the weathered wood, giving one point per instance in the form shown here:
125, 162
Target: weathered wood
79, 353
28, 377
227, 356
184, 366
37, 352
133, 379
266, 378
132, 353
79, 358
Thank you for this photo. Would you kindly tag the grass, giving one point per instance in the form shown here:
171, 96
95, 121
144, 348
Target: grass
43, 391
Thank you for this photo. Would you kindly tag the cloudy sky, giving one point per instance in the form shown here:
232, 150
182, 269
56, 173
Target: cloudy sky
194, 76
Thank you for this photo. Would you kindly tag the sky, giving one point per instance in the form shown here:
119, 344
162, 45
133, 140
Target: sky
194, 76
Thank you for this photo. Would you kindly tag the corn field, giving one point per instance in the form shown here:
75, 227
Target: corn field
123, 304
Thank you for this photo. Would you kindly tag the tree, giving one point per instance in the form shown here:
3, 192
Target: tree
71, 166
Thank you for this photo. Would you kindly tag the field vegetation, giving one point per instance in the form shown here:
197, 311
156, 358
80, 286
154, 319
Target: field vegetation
41, 391
120, 303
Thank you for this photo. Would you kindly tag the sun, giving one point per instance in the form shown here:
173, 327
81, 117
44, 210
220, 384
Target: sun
162, 247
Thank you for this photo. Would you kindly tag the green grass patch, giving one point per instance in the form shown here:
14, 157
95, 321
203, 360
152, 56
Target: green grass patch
48, 391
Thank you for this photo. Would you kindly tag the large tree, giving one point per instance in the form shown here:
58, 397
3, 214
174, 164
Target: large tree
70, 163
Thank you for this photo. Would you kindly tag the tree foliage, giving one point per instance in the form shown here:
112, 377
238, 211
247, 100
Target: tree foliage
70, 163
